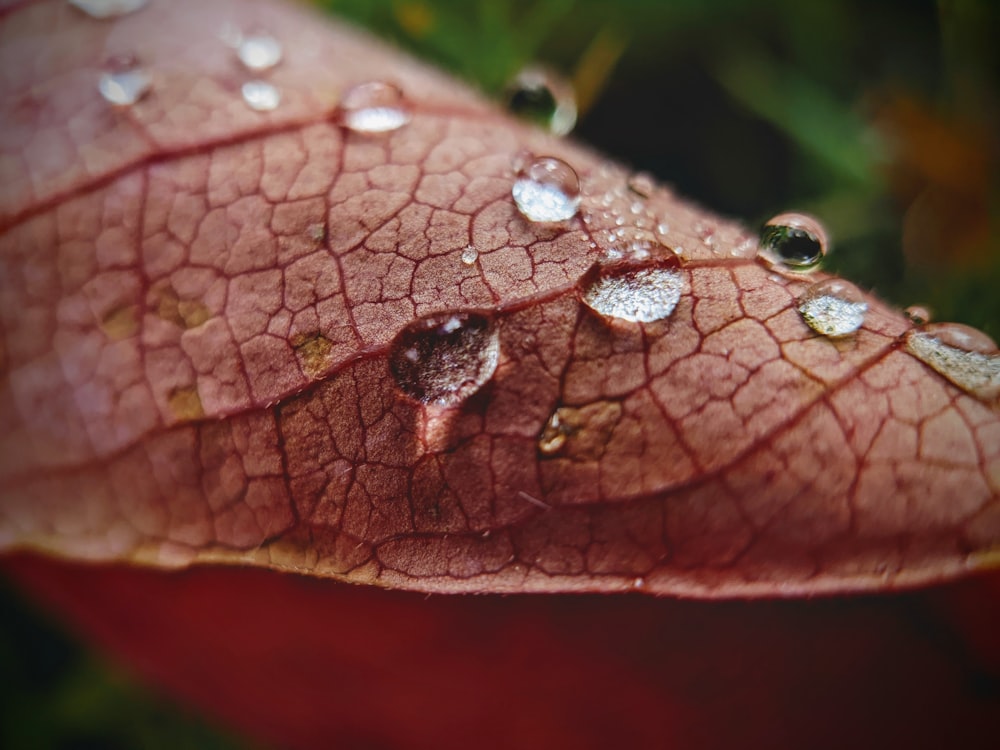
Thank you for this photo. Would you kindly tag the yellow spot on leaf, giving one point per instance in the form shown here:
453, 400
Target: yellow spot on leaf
185, 403
120, 322
313, 351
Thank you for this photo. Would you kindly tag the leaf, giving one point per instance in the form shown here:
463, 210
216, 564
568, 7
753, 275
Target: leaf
200, 304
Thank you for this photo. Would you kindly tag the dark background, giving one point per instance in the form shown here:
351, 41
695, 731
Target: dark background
880, 118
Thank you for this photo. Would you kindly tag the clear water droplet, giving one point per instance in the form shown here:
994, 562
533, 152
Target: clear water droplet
833, 307
261, 95
547, 189
542, 96
962, 354
124, 81
639, 295
797, 241
641, 183
108, 8
470, 255
259, 51
919, 315
374, 107
443, 359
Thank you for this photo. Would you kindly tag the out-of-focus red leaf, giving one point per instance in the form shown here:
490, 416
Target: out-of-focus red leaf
199, 303
307, 663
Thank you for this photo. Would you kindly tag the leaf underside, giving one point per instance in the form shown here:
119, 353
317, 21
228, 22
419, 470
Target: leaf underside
198, 304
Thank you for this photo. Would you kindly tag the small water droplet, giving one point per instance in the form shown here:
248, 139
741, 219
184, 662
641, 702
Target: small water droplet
443, 359
639, 295
374, 107
833, 307
124, 81
547, 189
964, 355
542, 96
261, 95
108, 8
641, 183
797, 241
259, 51
554, 434
470, 255
919, 315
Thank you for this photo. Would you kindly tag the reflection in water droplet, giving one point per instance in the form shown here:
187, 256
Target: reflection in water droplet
259, 51
124, 81
374, 107
108, 8
919, 314
443, 359
542, 96
547, 189
261, 95
964, 355
794, 240
470, 255
833, 307
640, 295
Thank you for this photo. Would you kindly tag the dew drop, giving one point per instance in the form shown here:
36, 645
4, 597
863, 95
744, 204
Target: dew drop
547, 189
259, 51
261, 95
470, 255
108, 8
919, 314
443, 359
542, 96
797, 241
642, 183
833, 307
639, 295
964, 355
374, 107
124, 81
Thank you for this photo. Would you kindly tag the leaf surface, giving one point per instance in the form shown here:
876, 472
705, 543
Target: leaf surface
199, 304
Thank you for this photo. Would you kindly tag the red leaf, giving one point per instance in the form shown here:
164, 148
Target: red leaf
200, 304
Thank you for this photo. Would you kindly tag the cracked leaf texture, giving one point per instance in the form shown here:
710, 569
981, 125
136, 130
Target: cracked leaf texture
198, 304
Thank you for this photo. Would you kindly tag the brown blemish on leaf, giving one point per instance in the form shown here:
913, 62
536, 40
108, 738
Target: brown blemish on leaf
185, 403
581, 433
313, 350
120, 322
185, 313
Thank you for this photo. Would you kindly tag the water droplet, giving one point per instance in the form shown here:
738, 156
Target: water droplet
547, 189
470, 255
542, 96
108, 8
640, 295
443, 359
261, 95
919, 314
374, 107
964, 355
794, 240
642, 183
554, 434
833, 307
124, 81
259, 51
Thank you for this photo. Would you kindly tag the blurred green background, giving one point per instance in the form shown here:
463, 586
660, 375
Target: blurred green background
882, 118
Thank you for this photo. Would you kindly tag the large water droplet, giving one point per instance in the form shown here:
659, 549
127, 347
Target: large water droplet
261, 95
259, 51
965, 356
443, 359
794, 240
374, 107
833, 307
639, 295
108, 8
124, 81
542, 96
547, 189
